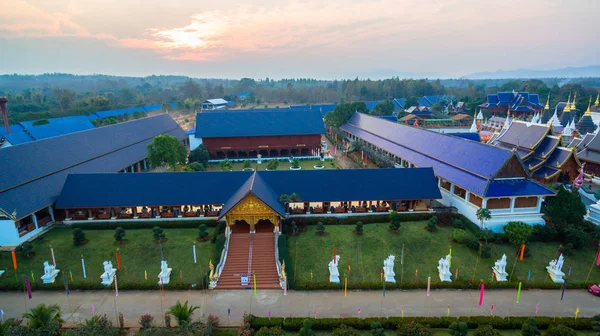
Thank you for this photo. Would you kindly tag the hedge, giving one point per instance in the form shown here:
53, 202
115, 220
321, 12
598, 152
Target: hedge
502, 323
59, 286
439, 285
219, 246
129, 225
351, 220
283, 246
474, 228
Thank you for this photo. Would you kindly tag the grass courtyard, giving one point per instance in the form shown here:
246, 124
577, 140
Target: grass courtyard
283, 165
422, 250
138, 255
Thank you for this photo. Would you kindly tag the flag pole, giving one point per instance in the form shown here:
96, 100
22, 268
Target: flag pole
593, 264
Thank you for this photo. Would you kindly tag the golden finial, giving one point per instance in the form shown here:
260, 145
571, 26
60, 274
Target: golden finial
283, 270
547, 107
597, 100
573, 103
211, 276
568, 106
587, 112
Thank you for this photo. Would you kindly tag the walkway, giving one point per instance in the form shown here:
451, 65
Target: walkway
325, 303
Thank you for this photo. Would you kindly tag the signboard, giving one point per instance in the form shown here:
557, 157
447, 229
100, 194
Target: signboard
244, 279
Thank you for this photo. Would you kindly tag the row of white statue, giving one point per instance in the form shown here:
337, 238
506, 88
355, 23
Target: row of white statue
554, 269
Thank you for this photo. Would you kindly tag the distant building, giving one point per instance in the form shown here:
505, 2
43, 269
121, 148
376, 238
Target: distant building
521, 104
421, 111
240, 134
429, 101
243, 96
322, 108
371, 104
214, 104
399, 103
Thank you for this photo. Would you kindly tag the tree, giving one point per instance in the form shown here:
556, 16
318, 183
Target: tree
565, 209
394, 220
385, 108
196, 167
119, 234
200, 154
431, 224
182, 313
343, 112
377, 329
596, 323
166, 149
306, 329
226, 165
26, 249
44, 317
247, 164
530, 328
320, 228
273, 164
560, 330
483, 215
517, 232
295, 163
270, 331
99, 102
202, 231
78, 237
577, 237
458, 329
344, 330
146, 321
486, 330
96, 325
157, 233
414, 329
359, 227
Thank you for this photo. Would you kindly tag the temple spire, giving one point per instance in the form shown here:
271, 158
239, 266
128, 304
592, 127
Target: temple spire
573, 107
507, 122
588, 111
568, 106
547, 107
597, 100
473, 128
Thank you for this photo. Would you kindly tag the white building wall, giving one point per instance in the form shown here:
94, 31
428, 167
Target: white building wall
9, 236
194, 142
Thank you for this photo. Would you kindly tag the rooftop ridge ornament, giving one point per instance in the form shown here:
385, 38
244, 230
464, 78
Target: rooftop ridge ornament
588, 111
573, 107
597, 102
567, 107
547, 107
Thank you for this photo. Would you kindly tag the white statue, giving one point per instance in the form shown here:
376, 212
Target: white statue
554, 269
109, 273
165, 273
500, 269
444, 269
50, 273
334, 274
388, 269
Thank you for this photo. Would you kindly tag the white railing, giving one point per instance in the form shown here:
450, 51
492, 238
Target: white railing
223, 254
250, 246
277, 262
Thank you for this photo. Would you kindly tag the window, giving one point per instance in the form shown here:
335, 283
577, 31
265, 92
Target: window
498, 203
445, 185
475, 200
526, 202
460, 192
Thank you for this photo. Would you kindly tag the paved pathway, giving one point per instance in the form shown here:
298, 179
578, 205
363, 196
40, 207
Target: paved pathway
304, 303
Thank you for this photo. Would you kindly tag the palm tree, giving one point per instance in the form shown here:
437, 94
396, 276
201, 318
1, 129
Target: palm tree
43, 316
483, 214
182, 313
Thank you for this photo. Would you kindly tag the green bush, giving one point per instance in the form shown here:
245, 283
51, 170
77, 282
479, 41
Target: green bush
577, 237
517, 232
486, 252
26, 248
351, 220
445, 218
394, 221
377, 329
119, 234
202, 231
306, 329
458, 329
486, 330
158, 233
560, 330
320, 227
431, 224
247, 164
359, 228
270, 331
459, 224
344, 330
129, 225
273, 164
78, 237
530, 328
459, 235
473, 244
414, 329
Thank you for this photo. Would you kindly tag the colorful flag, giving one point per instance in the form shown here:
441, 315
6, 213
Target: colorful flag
66, 285
528, 274
334, 253
53, 259
570, 268
402, 311
492, 309
118, 256
254, 278
345, 286
428, 285
481, 292
315, 313
194, 251
519, 292
228, 312
32, 277
269, 314
417, 272
311, 276
358, 310
116, 286
522, 252
598, 261
577, 312
416, 124
93, 309
563, 290
448, 312
14, 258
456, 275
83, 266
71, 275
537, 309
402, 256
28, 286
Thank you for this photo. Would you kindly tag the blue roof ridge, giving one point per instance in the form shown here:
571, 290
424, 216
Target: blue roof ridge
434, 158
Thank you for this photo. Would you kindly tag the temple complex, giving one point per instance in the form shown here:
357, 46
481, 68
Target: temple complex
522, 104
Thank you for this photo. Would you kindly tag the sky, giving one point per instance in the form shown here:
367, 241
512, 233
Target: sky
323, 39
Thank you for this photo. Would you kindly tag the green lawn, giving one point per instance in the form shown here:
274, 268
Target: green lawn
422, 250
137, 256
283, 165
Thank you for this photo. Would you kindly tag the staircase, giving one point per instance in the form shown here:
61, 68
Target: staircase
258, 251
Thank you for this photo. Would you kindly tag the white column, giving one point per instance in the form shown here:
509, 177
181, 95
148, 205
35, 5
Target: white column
451, 189
512, 204
145, 164
467, 197
539, 203
34, 220
51, 211
132, 169
484, 203
402, 162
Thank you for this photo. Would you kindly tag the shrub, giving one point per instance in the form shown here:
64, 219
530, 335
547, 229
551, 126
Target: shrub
530, 328
596, 323
486, 330
119, 234
359, 228
394, 220
306, 329
121, 321
40, 122
344, 330
26, 249
157, 233
270, 331
445, 218
167, 320
458, 329
146, 321
226, 165
545, 233
96, 325
473, 244
377, 329
197, 167
320, 227
273, 164
486, 252
517, 232
213, 321
431, 224
577, 237
459, 224
295, 163
414, 329
247, 164
459, 235
78, 237
202, 231
560, 330
219, 246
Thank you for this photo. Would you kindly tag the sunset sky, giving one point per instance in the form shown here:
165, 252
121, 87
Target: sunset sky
305, 38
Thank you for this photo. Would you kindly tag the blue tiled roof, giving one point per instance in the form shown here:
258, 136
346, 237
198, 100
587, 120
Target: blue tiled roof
83, 119
492, 99
399, 103
55, 129
228, 188
558, 157
253, 123
468, 136
18, 138
36, 160
191, 131
429, 100
119, 112
13, 129
371, 104
323, 108
547, 146
517, 187
389, 118
151, 108
545, 171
